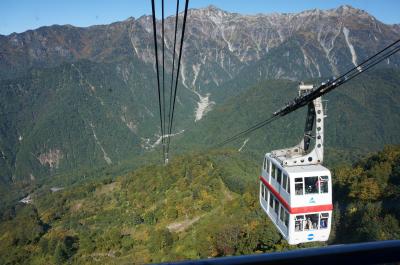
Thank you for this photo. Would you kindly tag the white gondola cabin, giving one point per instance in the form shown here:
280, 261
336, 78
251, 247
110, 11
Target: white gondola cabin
295, 189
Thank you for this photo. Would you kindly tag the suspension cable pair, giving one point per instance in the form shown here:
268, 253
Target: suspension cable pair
166, 129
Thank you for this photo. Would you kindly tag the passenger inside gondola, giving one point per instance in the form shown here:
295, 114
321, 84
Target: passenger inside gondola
323, 220
312, 221
322, 224
311, 184
308, 224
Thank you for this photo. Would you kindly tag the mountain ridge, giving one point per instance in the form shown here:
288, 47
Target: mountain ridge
264, 31
207, 8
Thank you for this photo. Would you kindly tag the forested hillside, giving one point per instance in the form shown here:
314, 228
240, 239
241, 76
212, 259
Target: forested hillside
78, 115
369, 103
368, 197
198, 206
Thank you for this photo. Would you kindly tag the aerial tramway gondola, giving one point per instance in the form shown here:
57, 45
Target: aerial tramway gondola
295, 189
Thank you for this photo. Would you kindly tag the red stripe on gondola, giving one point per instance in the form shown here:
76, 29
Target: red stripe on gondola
293, 210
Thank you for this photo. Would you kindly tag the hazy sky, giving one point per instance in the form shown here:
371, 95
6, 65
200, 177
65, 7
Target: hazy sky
21, 15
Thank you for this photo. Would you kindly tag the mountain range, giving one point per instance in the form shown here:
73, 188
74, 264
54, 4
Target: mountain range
86, 97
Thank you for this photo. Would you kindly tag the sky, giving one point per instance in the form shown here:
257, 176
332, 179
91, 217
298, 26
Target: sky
21, 15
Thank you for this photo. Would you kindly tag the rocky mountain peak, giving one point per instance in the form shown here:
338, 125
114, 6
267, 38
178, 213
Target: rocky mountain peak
129, 19
210, 11
347, 10
341, 11
213, 8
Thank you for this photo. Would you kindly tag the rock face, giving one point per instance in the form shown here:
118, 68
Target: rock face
81, 97
51, 158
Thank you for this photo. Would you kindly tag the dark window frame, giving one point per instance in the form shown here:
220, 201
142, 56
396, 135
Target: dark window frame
276, 206
273, 170
262, 190
285, 179
323, 182
281, 213
279, 175
271, 200
297, 182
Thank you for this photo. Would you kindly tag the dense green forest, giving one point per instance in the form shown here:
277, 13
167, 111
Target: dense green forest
200, 205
